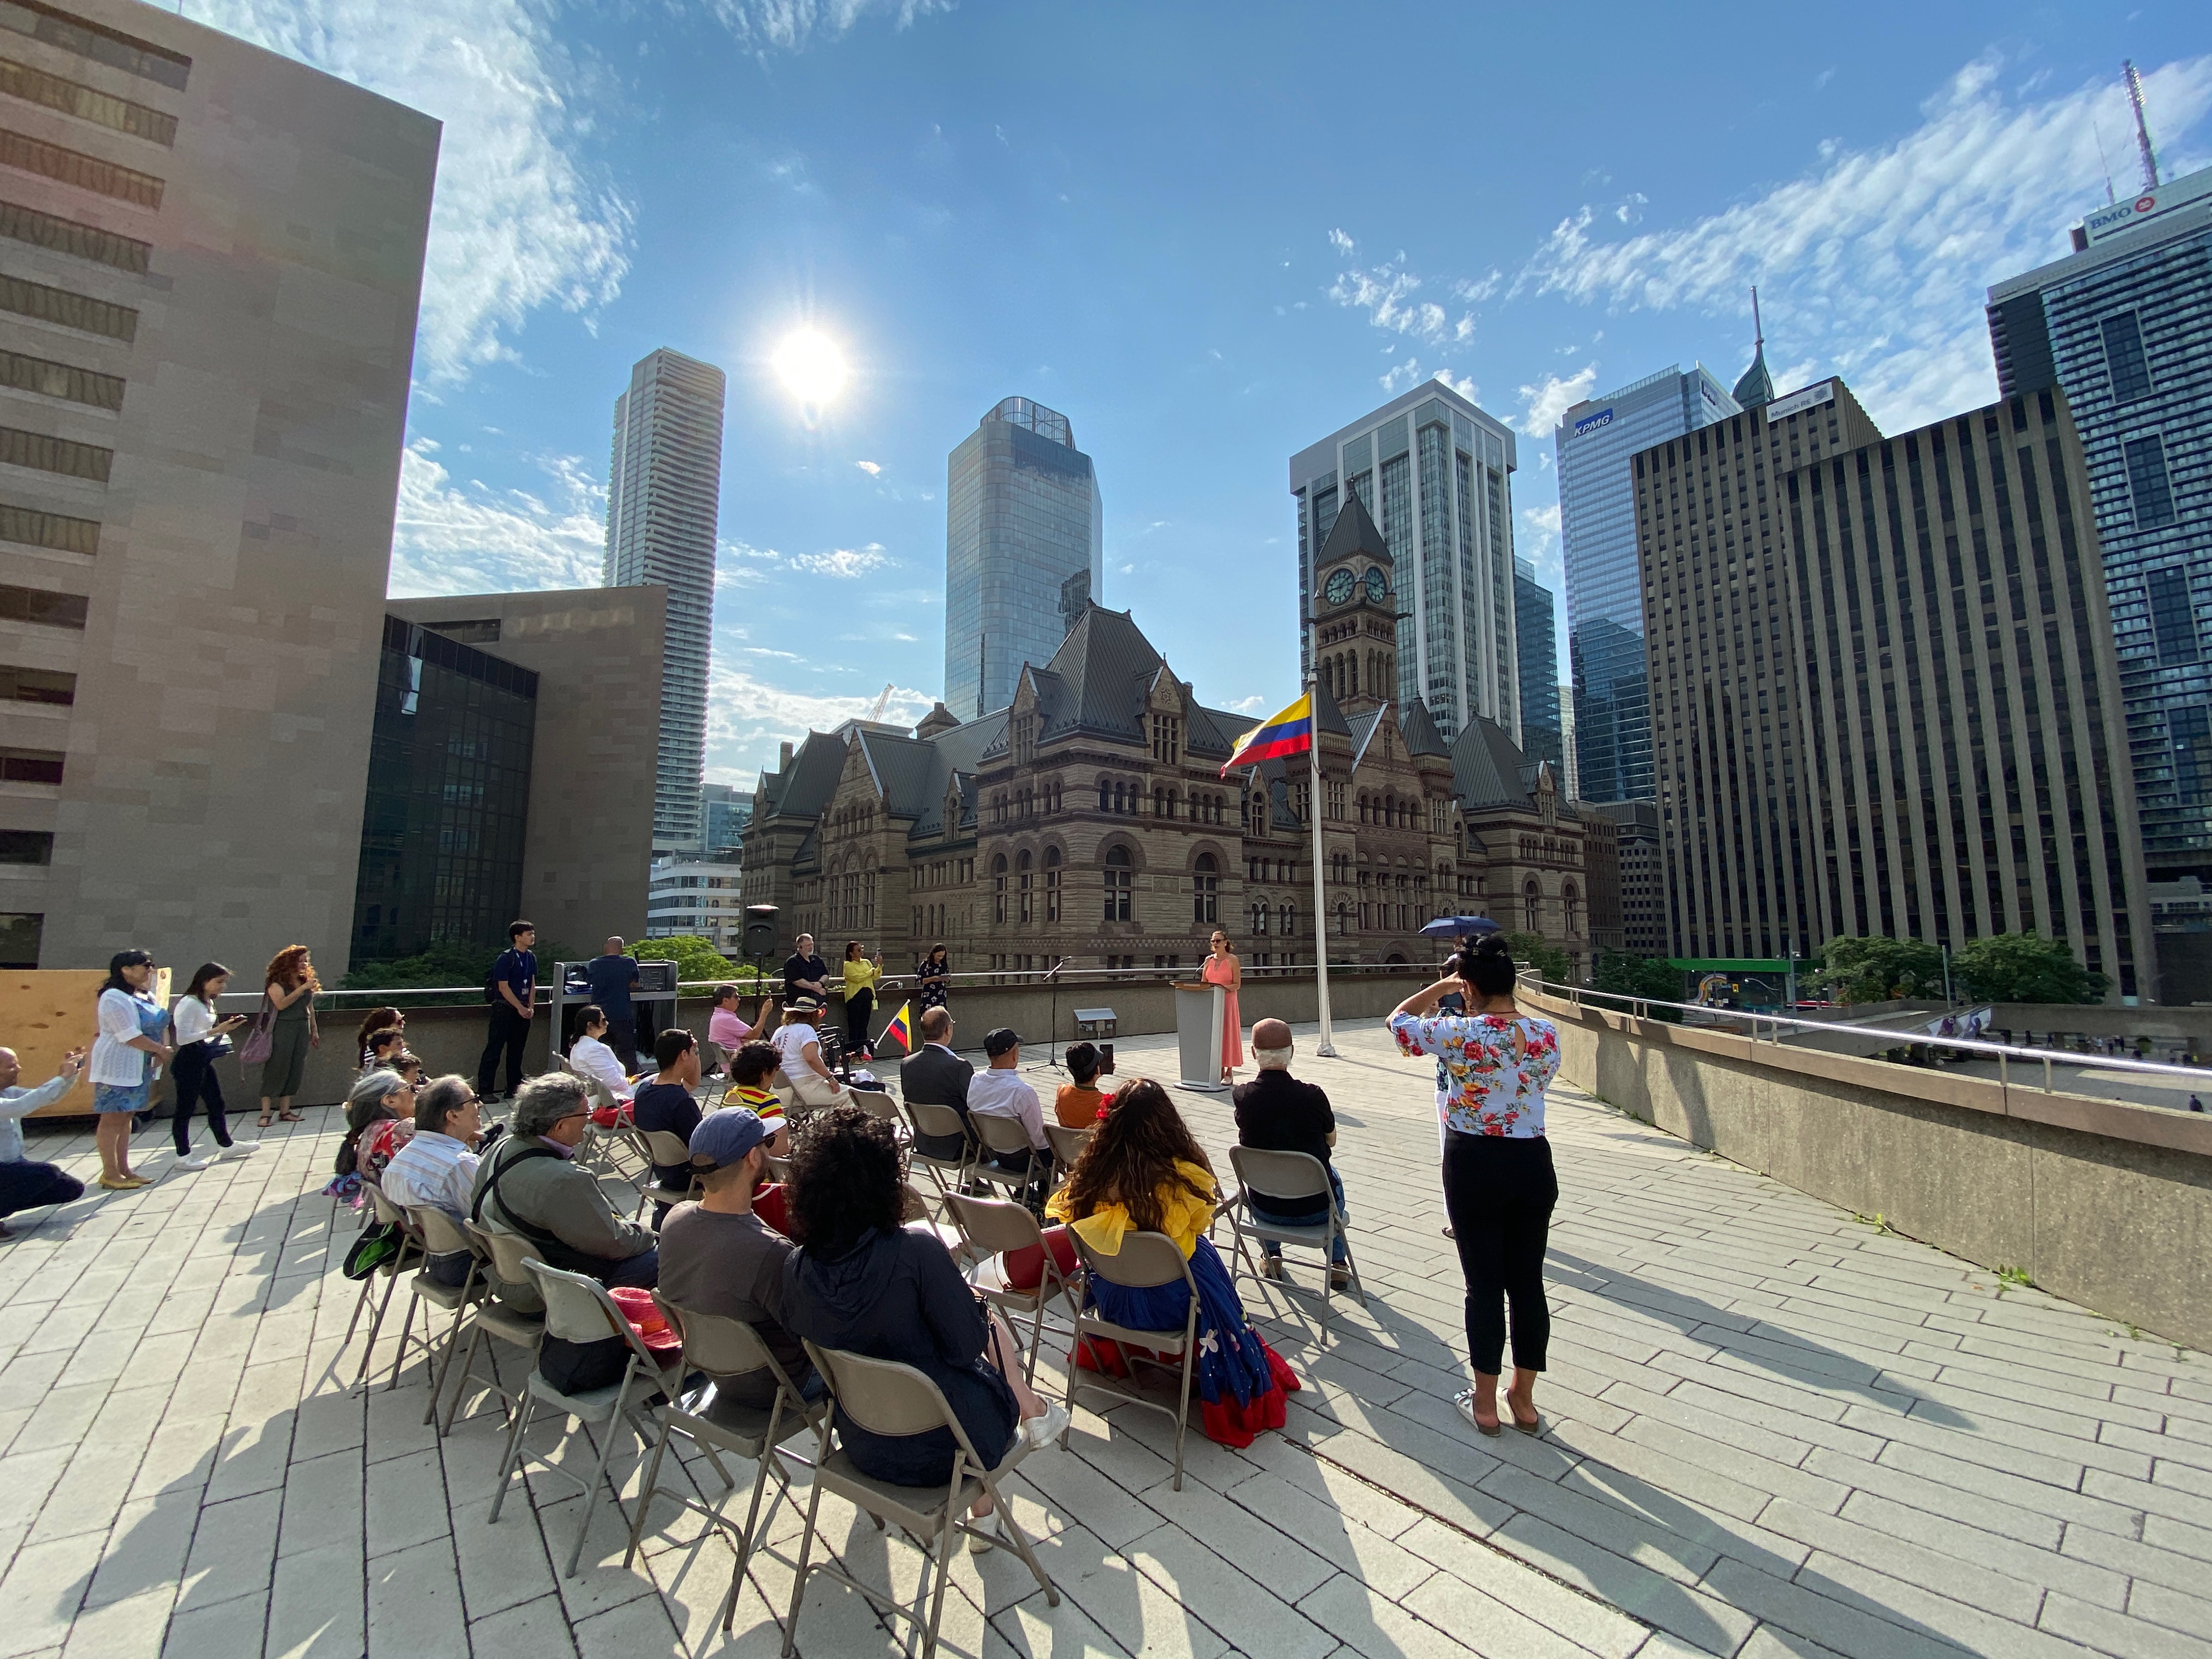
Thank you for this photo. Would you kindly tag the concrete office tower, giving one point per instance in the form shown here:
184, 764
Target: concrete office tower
1885, 700
1570, 765
2123, 327
212, 261
1592, 446
1435, 473
1022, 522
1537, 647
664, 494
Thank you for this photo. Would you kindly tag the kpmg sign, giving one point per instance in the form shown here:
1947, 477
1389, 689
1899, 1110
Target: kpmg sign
1811, 397
1592, 422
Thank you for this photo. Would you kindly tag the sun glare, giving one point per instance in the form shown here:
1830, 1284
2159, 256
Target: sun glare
810, 366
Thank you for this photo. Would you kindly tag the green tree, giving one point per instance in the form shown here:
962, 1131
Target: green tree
695, 958
448, 962
1628, 974
1529, 951
1876, 969
2024, 968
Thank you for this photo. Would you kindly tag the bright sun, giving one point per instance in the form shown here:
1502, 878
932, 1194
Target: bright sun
810, 365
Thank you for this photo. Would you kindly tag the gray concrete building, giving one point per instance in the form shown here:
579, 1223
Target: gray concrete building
210, 259
1885, 699
1024, 550
1643, 893
1536, 645
664, 503
589, 816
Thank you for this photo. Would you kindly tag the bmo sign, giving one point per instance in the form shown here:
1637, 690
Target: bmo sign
2111, 220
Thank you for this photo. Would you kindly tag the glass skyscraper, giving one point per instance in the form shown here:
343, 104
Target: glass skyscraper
1023, 524
1536, 640
664, 497
2123, 327
1435, 473
1593, 443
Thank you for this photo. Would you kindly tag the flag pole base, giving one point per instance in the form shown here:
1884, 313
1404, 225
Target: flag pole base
1327, 1051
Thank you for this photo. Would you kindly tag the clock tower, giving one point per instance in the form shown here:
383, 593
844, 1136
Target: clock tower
1355, 620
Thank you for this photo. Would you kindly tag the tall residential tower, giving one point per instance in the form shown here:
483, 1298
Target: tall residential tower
1024, 550
664, 494
1435, 474
1536, 640
1597, 538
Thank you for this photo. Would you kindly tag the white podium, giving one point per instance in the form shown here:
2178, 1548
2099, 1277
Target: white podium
1200, 1010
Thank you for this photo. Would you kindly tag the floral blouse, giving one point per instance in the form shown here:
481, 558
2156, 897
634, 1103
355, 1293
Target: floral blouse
1483, 1087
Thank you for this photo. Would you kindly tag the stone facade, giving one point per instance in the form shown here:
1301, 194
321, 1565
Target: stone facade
213, 258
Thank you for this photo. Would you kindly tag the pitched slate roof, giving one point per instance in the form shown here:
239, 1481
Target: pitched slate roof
902, 768
805, 785
1354, 531
1422, 736
953, 755
1487, 771
1327, 717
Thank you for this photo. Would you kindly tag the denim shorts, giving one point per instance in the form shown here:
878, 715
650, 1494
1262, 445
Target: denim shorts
115, 1098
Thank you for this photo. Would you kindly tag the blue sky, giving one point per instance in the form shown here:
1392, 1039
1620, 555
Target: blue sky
1210, 236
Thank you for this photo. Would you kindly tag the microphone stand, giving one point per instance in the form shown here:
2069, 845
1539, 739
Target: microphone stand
1052, 978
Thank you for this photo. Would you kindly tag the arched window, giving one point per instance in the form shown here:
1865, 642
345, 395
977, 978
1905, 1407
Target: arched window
1051, 883
1206, 890
1023, 879
1105, 796
1532, 899
1120, 883
1570, 910
1256, 919
998, 888
1162, 807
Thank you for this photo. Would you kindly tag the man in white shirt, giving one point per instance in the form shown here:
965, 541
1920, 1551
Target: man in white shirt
1000, 1091
436, 1170
25, 1185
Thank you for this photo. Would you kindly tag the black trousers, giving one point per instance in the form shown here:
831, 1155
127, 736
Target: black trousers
622, 1037
1499, 1191
509, 1030
27, 1186
857, 1010
196, 1086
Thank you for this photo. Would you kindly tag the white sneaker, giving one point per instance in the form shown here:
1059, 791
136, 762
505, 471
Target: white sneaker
1042, 1432
197, 1161
977, 1543
241, 1149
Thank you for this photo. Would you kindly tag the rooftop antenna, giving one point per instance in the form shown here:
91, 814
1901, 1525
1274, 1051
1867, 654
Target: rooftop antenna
1757, 330
2107, 161
2143, 127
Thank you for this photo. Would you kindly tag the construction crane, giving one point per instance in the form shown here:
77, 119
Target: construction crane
882, 703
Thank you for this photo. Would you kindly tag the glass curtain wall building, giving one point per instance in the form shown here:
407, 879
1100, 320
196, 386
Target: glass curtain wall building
2123, 327
1593, 445
442, 838
1435, 473
1023, 521
664, 497
1537, 641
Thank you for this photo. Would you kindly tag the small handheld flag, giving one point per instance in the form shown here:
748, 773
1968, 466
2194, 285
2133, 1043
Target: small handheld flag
901, 1029
1289, 732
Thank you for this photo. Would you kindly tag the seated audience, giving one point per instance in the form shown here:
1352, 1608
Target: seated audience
799, 1045
383, 1045
25, 1183
379, 1113
410, 1067
725, 1030
1001, 1091
717, 1256
436, 1170
751, 1065
861, 1281
1143, 1172
933, 1075
590, 1057
1079, 1103
1277, 1113
376, 1020
529, 1186
667, 1104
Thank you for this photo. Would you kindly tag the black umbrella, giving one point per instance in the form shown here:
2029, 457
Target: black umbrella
1460, 927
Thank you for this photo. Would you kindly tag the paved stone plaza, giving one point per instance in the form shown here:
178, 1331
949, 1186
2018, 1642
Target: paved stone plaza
1770, 1428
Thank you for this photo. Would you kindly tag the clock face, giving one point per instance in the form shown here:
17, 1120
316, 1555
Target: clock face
1338, 590
1378, 586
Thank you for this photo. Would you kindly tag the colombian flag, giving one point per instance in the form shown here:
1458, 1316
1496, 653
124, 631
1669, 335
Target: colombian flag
901, 1029
1289, 732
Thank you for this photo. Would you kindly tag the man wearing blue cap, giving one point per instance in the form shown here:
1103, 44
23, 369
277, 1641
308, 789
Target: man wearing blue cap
718, 1257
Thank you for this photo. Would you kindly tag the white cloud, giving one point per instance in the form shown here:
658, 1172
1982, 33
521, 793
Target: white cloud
843, 562
462, 537
1401, 375
1550, 398
1340, 242
747, 717
1464, 384
1874, 262
1250, 705
1538, 542
794, 25
870, 468
1385, 294
518, 221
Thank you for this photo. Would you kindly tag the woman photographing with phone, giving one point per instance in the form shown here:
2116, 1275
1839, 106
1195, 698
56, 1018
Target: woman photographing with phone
202, 1039
1494, 1064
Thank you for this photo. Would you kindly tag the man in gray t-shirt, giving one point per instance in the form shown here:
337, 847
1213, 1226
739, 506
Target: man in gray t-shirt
718, 1257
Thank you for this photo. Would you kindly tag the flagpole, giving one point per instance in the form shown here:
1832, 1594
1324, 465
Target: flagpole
1320, 913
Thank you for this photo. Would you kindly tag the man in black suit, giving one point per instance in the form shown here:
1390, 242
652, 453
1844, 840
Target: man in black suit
933, 1075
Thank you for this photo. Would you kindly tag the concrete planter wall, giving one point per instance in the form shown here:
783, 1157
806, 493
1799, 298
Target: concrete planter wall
2104, 1203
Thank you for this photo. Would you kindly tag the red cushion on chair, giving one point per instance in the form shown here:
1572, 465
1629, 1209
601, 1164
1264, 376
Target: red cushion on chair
1025, 1267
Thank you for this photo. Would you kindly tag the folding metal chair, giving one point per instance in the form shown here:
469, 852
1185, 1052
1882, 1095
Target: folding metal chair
507, 1256
925, 1119
994, 1229
1067, 1145
1146, 1260
388, 1214
725, 1349
887, 1398
579, 1310
662, 1147
441, 1236
1005, 1137
916, 1213
1296, 1183
878, 1104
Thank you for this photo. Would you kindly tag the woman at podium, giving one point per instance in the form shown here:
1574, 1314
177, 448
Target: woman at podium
1223, 968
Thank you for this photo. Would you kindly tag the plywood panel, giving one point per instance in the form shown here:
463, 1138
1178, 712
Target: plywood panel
46, 1012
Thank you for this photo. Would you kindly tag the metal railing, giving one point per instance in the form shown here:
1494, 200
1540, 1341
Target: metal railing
2004, 1053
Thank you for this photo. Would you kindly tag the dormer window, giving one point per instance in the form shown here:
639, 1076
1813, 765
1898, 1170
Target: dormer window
1167, 740
1024, 744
